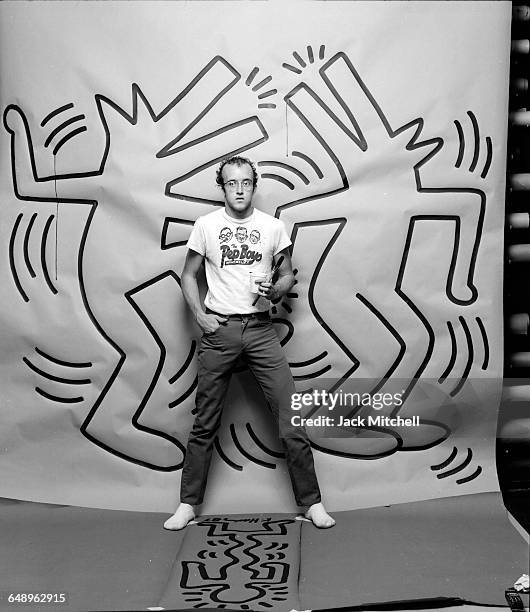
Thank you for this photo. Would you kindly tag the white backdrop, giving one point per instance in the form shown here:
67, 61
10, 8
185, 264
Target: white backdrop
379, 131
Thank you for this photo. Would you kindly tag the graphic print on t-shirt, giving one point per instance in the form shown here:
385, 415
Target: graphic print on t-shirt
225, 235
239, 252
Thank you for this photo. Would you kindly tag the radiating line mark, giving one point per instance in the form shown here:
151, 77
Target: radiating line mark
12, 258
61, 127
25, 247
475, 474
259, 443
452, 359
43, 255
267, 105
67, 381
68, 364
251, 75
226, 459
61, 400
489, 156
184, 395
485, 341
291, 68
312, 163
461, 143
287, 307
64, 140
186, 363
446, 462
262, 83
278, 178
298, 58
56, 112
458, 468
246, 454
469, 363
321, 52
267, 94
301, 364
310, 54
313, 374
287, 167
477, 141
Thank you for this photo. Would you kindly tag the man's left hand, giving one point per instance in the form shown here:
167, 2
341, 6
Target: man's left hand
267, 291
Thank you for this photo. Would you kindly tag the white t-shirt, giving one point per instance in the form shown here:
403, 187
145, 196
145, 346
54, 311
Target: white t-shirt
232, 248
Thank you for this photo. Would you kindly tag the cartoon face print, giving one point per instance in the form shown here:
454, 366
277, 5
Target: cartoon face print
225, 235
254, 236
241, 234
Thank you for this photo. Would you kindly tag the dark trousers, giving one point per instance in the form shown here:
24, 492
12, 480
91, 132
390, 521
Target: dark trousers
219, 351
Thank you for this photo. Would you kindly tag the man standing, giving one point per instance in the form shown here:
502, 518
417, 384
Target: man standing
234, 242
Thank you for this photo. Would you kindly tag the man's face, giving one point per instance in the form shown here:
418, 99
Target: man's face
238, 198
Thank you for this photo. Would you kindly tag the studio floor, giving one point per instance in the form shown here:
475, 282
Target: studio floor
406, 556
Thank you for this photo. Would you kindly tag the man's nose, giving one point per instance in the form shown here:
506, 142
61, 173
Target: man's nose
239, 186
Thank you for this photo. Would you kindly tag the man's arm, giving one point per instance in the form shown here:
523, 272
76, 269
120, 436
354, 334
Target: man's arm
190, 288
285, 280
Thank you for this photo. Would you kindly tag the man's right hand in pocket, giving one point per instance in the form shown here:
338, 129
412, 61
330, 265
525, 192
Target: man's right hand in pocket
210, 322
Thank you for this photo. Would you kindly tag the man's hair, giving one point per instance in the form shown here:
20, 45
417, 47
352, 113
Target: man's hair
236, 160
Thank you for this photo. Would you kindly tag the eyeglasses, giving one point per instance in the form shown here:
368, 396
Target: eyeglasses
246, 184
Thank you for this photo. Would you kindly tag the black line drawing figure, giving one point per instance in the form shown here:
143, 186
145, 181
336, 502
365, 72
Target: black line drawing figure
247, 561
121, 308
377, 292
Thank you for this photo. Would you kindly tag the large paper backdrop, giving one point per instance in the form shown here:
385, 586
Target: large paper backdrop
379, 134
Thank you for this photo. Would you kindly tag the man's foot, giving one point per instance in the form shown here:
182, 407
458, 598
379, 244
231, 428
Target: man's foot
183, 515
319, 517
